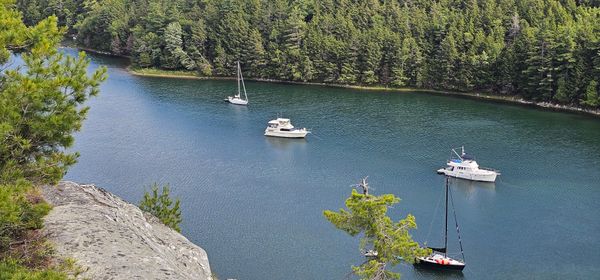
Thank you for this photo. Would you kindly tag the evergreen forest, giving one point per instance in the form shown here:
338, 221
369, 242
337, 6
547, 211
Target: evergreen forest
541, 50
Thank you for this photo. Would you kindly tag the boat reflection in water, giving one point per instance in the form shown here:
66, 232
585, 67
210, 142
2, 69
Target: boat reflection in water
472, 188
286, 143
438, 274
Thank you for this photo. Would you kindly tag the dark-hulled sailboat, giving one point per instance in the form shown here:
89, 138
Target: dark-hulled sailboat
439, 259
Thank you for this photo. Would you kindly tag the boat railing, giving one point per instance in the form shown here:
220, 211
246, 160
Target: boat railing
490, 169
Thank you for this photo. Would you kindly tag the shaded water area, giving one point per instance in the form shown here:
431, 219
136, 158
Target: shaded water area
255, 203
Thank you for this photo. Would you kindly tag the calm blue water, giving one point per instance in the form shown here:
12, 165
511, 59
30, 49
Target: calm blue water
255, 203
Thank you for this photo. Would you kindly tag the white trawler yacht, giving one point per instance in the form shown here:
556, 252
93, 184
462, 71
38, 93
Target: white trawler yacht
284, 128
465, 167
237, 99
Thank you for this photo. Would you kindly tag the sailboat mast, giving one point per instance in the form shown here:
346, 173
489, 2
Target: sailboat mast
238, 77
446, 226
457, 228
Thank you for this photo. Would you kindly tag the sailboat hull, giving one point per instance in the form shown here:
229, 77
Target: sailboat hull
237, 101
438, 266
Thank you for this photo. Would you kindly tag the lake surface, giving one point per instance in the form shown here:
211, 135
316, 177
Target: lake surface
255, 203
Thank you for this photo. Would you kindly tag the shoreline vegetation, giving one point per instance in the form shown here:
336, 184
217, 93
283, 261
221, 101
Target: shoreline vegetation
507, 99
178, 74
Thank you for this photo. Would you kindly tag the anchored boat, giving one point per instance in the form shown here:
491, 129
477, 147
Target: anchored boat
439, 258
465, 167
281, 127
237, 99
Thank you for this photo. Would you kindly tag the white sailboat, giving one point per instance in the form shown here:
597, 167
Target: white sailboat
237, 99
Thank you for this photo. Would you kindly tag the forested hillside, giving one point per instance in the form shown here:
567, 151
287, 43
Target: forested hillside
544, 50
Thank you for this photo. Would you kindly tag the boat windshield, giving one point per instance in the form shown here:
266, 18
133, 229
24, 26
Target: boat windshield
467, 157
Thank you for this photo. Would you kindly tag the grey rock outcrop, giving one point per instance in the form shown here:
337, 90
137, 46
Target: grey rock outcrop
112, 239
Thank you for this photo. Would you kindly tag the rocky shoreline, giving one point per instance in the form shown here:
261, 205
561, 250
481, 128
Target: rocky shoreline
112, 239
480, 96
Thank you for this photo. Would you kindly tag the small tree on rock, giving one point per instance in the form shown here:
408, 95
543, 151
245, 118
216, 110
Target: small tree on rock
162, 207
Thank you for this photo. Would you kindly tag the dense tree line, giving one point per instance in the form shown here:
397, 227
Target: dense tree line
543, 50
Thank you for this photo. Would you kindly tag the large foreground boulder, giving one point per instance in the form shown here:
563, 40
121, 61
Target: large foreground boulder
112, 239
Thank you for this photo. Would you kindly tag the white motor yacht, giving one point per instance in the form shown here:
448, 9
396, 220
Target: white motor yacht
283, 128
237, 99
465, 167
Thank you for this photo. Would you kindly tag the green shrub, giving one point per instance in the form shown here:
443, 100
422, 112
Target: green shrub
21, 209
160, 206
11, 269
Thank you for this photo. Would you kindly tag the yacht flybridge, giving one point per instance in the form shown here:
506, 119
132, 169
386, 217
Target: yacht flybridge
237, 99
465, 167
281, 127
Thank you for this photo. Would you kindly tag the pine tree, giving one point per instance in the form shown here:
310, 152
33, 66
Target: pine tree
447, 58
175, 55
41, 107
220, 61
254, 54
42, 103
194, 45
400, 62
562, 94
413, 62
293, 36
349, 71
367, 216
370, 57
540, 73
591, 98
31, 10
162, 206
